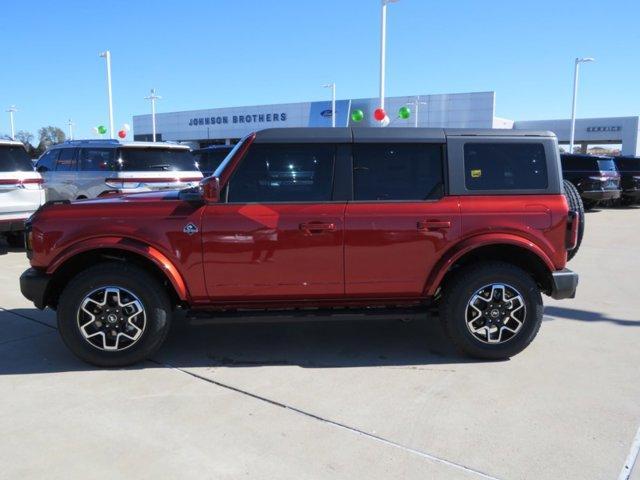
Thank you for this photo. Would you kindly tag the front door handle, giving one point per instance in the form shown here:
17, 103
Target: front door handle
317, 227
434, 225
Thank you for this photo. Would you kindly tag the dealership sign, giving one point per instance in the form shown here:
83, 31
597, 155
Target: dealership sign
604, 129
236, 119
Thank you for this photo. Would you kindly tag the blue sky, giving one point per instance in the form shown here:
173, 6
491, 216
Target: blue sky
217, 53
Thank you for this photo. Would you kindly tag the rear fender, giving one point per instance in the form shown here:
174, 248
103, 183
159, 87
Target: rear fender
127, 245
468, 245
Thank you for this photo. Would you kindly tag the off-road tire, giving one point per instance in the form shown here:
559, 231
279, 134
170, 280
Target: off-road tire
575, 204
460, 288
146, 287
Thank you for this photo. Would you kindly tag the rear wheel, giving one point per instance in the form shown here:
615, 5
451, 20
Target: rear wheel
575, 204
113, 315
491, 310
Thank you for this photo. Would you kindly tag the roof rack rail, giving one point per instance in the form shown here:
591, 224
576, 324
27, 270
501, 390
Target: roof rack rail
92, 140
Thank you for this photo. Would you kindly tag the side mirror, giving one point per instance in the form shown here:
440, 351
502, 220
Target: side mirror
210, 189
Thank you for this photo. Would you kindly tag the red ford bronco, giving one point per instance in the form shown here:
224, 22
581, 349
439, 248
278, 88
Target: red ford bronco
313, 223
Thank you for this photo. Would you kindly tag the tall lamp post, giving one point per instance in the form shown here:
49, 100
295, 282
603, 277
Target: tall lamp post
383, 49
153, 97
70, 124
332, 86
107, 56
576, 75
11, 110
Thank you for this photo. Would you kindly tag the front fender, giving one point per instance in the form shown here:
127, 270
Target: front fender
128, 245
468, 245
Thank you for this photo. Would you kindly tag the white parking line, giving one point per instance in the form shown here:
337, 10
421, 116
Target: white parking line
631, 458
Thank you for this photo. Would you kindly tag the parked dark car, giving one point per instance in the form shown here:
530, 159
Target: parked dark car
210, 157
596, 177
629, 168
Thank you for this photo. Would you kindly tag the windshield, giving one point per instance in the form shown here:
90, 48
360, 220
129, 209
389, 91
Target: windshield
14, 158
230, 155
209, 160
607, 165
153, 159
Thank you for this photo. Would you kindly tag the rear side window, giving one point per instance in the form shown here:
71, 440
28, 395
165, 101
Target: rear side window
14, 159
505, 166
48, 161
67, 160
397, 171
97, 159
284, 173
156, 160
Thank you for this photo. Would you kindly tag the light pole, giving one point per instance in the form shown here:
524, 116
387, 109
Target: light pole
70, 124
153, 97
107, 56
383, 49
332, 86
416, 103
576, 74
11, 110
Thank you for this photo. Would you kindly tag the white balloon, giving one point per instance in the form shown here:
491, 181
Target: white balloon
126, 127
386, 121
95, 130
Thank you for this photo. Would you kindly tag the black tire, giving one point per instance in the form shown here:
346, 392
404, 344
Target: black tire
15, 239
589, 204
575, 204
152, 295
460, 289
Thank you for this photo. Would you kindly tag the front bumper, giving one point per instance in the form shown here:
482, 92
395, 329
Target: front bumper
600, 195
13, 225
34, 285
564, 284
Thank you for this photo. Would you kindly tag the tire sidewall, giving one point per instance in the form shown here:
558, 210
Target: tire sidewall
154, 301
468, 287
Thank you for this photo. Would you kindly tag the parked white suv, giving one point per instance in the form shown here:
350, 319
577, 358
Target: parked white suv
80, 169
21, 191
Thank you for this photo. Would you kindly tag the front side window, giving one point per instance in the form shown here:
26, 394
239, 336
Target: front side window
505, 166
154, 159
48, 161
97, 159
14, 158
66, 161
209, 160
397, 172
284, 173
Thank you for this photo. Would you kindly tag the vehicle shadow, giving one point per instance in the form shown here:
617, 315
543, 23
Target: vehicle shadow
585, 316
331, 344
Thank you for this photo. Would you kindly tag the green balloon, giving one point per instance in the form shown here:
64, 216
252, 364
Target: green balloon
404, 112
357, 116
102, 129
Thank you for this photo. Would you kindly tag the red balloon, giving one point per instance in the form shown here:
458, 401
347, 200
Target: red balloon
379, 114
122, 134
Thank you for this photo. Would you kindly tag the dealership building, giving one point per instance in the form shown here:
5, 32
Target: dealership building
459, 110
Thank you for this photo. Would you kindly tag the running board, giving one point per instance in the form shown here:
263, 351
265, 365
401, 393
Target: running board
200, 317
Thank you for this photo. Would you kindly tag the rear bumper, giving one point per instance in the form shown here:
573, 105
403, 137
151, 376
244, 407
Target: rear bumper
34, 285
598, 195
564, 284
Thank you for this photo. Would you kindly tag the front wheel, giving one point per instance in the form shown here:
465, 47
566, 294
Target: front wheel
113, 315
491, 310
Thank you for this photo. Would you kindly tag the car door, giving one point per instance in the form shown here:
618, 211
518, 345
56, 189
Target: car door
278, 232
94, 166
66, 175
400, 221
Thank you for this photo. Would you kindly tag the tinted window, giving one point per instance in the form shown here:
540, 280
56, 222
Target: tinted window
14, 159
156, 159
47, 161
578, 163
397, 171
66, 161
505, 166
628, 164
209, 160
97, 159
284, 173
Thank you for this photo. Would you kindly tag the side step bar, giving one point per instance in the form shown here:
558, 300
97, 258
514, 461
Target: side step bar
200, 317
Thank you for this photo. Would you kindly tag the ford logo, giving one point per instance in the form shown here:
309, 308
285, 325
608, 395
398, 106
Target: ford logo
327, 113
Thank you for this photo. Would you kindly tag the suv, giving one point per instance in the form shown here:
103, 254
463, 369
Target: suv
20, 190
81, 169
209, 158
596, 178
314, 223
629, 168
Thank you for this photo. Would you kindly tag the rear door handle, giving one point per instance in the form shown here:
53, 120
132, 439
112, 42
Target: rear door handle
317, 227
434, 224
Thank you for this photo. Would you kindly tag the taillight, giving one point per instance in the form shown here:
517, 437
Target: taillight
573, 224
17, 183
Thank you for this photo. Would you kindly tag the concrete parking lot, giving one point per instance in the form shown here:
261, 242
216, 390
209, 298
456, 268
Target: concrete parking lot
337, 400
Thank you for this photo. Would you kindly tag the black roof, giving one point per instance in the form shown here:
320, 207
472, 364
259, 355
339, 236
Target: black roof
373, 134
